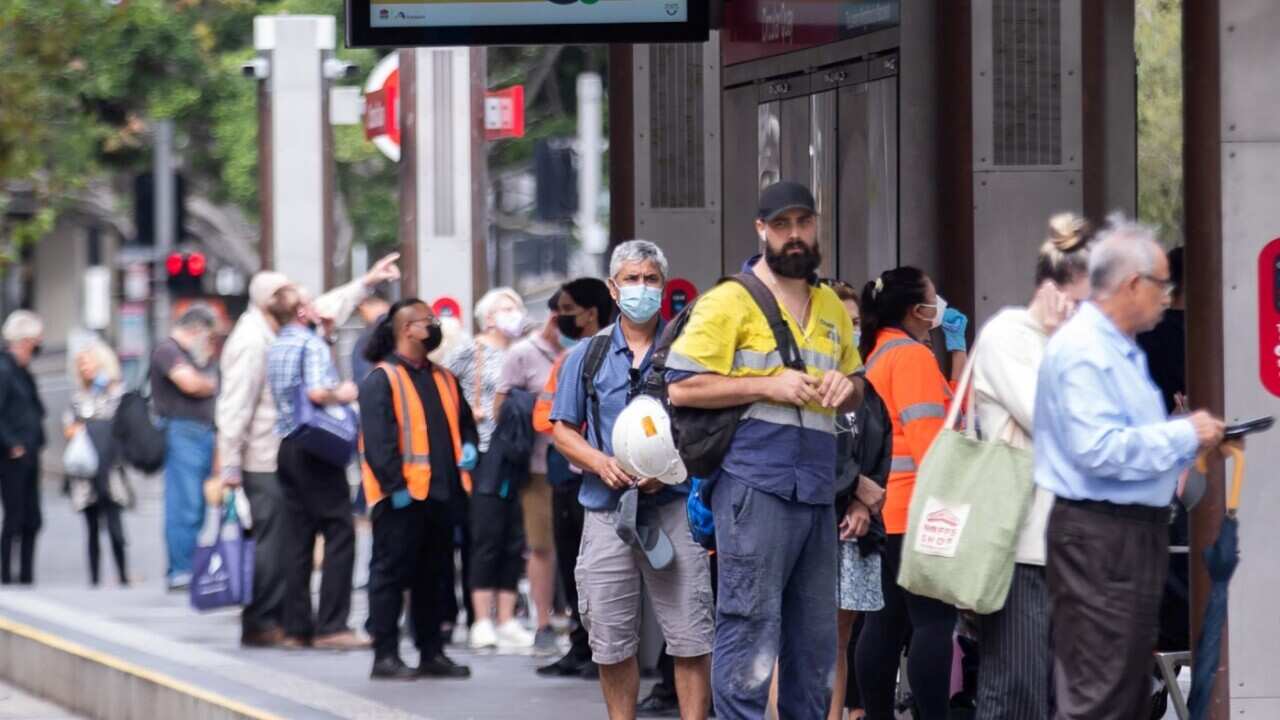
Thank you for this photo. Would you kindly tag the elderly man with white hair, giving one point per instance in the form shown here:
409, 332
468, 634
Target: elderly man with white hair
1106, 449
21, 438
247, 443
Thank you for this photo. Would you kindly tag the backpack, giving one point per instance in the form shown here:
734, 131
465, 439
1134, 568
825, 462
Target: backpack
702, 436
141, 442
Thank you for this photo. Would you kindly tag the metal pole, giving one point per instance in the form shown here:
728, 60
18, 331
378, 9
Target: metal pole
1202, 198
590, 128
162, 182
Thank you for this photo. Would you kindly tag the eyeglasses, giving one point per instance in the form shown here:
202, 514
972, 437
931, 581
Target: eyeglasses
428, 322
1167, 285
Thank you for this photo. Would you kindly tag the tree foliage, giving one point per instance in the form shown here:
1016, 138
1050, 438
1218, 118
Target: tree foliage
80, 81
1158, 41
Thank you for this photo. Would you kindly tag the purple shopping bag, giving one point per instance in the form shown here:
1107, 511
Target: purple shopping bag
222, 569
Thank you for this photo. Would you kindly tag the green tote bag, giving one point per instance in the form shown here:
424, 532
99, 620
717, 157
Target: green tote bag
966, 511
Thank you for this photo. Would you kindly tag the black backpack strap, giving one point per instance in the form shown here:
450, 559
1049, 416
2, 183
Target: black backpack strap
597, 350
786, 342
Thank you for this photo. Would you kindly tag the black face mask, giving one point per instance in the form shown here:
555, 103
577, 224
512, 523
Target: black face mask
793, 265
568, 325
433, 339
36, 350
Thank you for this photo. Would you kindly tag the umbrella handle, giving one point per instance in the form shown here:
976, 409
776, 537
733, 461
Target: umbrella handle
1236, 453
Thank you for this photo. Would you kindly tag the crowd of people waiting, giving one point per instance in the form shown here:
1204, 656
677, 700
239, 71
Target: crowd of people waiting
502, 445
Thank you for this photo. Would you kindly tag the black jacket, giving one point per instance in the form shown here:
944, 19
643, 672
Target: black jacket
21, 412
865, 449
504, 467
382, 436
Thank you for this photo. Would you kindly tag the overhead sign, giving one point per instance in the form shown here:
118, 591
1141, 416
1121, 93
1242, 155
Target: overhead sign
1269, 316
755, 29
417, 23
382, 106
504, 113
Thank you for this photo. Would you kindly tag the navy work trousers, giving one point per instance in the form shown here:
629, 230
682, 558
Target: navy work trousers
777, 602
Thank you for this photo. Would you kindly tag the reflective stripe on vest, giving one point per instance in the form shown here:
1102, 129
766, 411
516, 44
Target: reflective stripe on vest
414, 442
902, 463
879, 353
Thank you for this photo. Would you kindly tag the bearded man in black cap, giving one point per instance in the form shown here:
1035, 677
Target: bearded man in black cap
774, 492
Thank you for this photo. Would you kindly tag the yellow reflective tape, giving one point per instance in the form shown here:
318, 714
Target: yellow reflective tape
130, 668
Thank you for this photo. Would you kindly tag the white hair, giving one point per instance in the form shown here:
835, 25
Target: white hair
637, 251
1124, 247
22, 325
103, 356
485, 304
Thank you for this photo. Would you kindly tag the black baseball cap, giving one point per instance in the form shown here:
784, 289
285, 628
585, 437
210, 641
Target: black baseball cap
783, 196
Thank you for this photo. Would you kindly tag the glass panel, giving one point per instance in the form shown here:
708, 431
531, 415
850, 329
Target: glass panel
769, 139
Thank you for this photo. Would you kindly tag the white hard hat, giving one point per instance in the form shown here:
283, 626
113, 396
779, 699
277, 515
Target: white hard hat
643, 444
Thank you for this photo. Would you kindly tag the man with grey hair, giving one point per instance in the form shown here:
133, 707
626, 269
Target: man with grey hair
1106, 449
598, 379
184, 380
21, 438
248, 447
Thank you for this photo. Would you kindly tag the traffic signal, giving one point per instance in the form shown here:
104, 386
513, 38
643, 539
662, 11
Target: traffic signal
186, 274
144, 219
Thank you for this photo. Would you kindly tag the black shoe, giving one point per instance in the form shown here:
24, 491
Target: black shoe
661, 703
392, 668
441, 666
567, 666
589, 671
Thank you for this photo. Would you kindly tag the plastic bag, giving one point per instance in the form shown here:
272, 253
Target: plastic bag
80, 459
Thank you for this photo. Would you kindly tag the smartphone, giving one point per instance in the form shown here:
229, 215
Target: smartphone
1235, 431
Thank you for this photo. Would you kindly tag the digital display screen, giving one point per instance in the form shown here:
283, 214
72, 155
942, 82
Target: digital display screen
410, 23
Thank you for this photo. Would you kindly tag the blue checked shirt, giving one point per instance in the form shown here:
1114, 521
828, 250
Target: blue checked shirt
288, 368
1101, 431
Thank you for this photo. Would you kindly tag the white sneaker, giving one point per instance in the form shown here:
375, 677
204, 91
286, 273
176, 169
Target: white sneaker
513, 636
483, 635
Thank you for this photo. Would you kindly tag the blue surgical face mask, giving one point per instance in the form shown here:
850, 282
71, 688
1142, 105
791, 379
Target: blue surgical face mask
101, 381
857, 338
567, 342
639, 302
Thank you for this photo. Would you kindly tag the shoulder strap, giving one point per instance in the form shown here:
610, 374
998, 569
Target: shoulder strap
773, 314
591, 364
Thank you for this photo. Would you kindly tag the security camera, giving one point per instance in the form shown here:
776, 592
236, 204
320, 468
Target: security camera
258, 68
335, 69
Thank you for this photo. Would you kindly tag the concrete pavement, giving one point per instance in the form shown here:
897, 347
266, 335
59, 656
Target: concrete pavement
144, 629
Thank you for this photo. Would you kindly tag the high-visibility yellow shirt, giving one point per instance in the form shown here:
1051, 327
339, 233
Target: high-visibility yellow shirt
781, 449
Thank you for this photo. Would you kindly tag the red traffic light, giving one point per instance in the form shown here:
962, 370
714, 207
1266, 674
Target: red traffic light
196, 264
173, 264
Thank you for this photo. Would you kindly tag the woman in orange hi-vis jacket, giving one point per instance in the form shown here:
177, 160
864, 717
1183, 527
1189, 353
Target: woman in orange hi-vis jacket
899, 309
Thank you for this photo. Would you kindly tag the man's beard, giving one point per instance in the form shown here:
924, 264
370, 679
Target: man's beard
793, 265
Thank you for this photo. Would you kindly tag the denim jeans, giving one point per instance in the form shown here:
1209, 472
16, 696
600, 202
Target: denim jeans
188, 461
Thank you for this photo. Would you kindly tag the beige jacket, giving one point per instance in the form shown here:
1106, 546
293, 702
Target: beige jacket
1007, 360
246, 412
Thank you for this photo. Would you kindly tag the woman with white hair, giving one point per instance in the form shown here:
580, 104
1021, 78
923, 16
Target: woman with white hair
496, 529
94, 400
21, 438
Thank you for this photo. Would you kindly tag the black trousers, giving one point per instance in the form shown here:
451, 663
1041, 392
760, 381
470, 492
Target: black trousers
317, 502
20, 495
412, 550
1106, 575
497, 543
930, 624
94, 515
566, 519
265, 610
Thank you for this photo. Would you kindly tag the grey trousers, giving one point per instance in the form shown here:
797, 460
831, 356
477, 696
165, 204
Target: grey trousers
266, 610
1016, 673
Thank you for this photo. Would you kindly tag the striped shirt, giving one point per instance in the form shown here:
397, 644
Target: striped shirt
784, 450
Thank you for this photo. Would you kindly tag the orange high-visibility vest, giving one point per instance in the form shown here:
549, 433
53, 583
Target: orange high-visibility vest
411, 420
542, 408
916, 394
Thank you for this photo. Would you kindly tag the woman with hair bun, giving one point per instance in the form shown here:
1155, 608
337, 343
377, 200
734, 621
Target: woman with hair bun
1015, 675
899, 309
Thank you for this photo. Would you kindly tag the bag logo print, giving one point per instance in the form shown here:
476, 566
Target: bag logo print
941, 528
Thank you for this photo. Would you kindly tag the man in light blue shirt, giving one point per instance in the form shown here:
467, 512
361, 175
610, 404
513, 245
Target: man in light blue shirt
1105, 447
